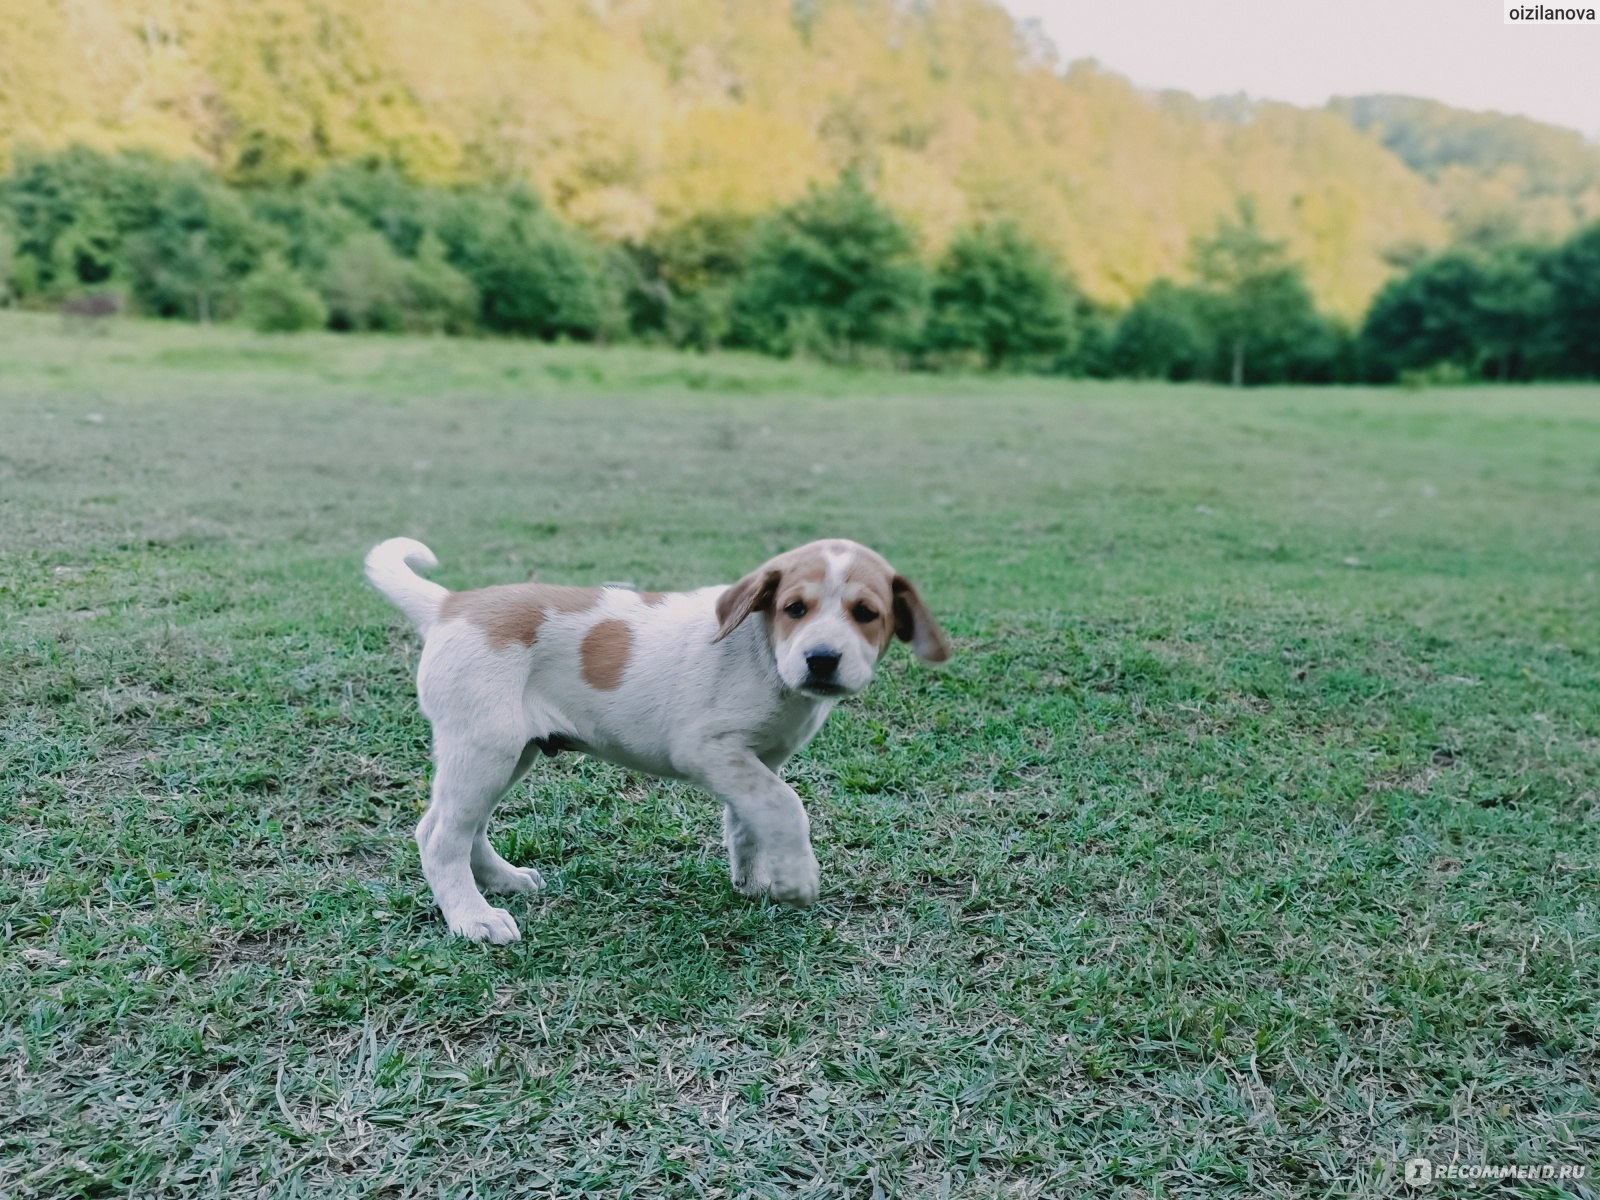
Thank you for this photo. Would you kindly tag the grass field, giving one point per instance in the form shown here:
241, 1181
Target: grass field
1249, 845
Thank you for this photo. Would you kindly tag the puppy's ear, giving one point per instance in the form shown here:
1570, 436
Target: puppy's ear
915, 624
755, 591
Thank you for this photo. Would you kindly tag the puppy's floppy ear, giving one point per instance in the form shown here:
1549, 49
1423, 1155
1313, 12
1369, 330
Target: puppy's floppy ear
755, 591
915, 624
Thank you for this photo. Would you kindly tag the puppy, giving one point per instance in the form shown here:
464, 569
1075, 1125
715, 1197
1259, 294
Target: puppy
684, 685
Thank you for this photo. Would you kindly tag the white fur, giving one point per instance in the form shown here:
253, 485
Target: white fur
389, 569
722, 714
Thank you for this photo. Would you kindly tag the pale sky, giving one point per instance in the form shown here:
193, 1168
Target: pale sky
1458, 51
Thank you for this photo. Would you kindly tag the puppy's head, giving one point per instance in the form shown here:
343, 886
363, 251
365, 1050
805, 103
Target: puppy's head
830, 609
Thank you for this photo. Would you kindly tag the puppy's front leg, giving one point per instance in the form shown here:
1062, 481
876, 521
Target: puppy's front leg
764, 826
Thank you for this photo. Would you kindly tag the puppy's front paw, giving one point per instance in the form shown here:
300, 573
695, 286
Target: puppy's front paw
486, 924
794, 881
797, 882
749, 883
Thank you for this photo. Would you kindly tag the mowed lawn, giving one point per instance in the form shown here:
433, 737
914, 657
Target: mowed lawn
1248, 845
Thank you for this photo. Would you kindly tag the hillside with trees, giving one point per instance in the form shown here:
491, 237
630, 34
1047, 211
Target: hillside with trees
1496, 176
636, 120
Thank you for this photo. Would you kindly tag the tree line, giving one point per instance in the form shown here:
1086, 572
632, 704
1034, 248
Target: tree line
836, 275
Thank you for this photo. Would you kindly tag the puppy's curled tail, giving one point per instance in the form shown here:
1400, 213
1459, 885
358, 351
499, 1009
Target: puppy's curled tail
389, 570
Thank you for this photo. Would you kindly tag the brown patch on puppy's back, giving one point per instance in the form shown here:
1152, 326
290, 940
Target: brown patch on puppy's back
559, 598
604, 654
513, 612
651, 599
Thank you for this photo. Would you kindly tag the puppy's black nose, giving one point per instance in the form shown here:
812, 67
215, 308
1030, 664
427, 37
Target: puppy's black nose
822, 663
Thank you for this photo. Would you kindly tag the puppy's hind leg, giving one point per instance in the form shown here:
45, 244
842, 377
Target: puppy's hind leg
741, 844
494, 873
470, 774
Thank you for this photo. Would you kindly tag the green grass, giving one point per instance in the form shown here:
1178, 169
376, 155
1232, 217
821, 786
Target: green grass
1248, 845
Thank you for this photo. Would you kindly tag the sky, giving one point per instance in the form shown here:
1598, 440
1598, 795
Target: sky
1458, 51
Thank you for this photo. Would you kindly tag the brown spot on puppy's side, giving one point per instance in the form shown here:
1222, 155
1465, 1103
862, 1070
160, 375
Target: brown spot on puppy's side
604, 654
513, 612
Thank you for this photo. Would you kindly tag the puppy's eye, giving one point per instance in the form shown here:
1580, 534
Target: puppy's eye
863, 614
796, 610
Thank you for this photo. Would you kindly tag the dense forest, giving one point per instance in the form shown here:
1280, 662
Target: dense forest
940, 190
631, 116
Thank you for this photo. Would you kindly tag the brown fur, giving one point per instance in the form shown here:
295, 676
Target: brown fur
513, 612
802, 579
751, 594
604, 654
651, 599
915, 624
870, 582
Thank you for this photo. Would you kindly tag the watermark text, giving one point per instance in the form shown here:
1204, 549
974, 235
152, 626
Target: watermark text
1423, 1172
1551, 12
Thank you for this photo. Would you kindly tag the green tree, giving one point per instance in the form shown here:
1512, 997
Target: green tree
998, 295
535, 275
8, 265
1514, 314
1422, 318
1289, 341
440, 299
1490, 313
1164, 335
703, 251
274, 299
194, 270
831, 274
202, 244
1573, 271
309, 226
1096, 330
82, 216
366, 285
1256, 299
65, 208
86, 252
685, 277
381, 198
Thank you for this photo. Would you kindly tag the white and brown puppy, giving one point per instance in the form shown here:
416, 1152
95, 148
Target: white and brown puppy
677, 684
